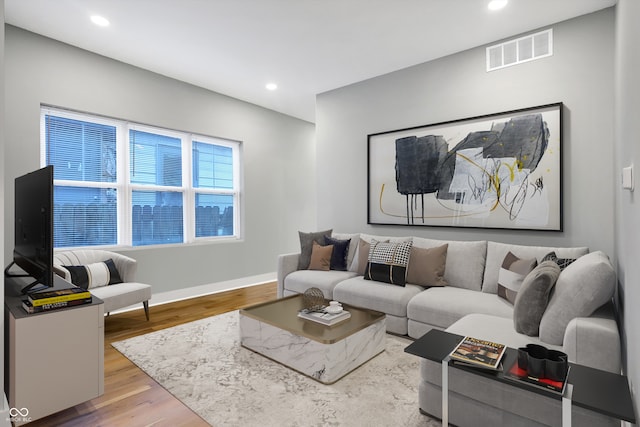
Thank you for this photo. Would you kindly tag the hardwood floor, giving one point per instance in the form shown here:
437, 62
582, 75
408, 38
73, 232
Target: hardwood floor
131, 398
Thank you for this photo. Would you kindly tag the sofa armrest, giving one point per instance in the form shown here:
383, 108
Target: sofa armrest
287, 263
126, 266
594, 341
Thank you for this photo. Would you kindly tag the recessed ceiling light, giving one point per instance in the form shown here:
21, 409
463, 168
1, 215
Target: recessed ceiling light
497, 4
100, 21
271, 86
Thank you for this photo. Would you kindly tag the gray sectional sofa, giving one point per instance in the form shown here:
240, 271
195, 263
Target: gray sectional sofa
578, 319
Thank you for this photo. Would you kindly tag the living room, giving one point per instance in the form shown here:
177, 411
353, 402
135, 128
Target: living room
300, 175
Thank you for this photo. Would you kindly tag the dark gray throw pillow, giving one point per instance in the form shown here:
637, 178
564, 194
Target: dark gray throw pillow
340, 252
533, 296
306, 246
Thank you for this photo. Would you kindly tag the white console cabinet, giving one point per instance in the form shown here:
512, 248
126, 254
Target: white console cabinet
53, 360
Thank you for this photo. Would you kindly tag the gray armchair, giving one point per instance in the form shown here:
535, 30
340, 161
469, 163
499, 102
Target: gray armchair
115, 296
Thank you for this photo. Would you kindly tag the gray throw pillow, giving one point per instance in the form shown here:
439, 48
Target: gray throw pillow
306, 246
582, 288
533, 296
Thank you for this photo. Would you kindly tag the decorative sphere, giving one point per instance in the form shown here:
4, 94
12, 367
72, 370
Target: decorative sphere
313, 299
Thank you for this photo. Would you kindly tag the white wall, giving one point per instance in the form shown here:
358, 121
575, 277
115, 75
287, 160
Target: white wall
627, 127
2, 133
278, 151
579, 74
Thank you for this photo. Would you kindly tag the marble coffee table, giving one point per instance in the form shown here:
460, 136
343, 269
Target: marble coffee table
325, 353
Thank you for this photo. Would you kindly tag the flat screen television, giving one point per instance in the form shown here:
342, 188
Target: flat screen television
33, 245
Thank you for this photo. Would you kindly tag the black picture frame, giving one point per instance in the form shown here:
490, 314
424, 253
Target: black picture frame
501, 170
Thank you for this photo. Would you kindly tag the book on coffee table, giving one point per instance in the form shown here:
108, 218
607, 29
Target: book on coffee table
479, 353
323, 317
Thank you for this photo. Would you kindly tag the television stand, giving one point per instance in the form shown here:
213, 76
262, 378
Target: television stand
30, 287
52, 351
33, 287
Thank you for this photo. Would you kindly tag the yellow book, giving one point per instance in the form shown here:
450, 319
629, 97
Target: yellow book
60, 298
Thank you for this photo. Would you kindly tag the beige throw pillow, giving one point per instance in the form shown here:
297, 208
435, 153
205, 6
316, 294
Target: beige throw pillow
320, 257
363, 256
306, 240
426, 266
364, 248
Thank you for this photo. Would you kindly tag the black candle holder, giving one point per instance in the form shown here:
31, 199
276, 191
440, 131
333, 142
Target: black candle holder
541, 362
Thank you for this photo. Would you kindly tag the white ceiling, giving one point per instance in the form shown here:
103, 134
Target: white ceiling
235, 47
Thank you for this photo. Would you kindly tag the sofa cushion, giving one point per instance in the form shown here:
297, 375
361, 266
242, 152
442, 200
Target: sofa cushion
378, 296
301, 280
306, 246
339, 254
441, 307
582, 287
362, 251
465, 261
512, 272
122, 295
494, 328
533, 297
94, 275
321, 257
427, 266
497, 251
388, 262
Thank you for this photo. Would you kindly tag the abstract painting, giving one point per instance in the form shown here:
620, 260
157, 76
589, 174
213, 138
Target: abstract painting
501, 170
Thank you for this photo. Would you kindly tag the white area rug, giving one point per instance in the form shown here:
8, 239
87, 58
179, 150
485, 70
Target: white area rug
203, 365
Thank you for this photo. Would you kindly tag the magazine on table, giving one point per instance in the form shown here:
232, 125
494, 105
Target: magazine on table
479, 353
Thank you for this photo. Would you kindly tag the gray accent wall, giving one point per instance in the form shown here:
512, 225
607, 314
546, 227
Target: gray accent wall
278, 151
579, 74
627, 148
594, 72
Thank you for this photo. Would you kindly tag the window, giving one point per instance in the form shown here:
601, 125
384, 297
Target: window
121, 183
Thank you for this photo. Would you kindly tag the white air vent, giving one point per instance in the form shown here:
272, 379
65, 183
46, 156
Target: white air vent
517, 51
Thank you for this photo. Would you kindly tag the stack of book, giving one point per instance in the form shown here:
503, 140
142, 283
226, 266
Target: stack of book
480, 353
323, 317
38, 302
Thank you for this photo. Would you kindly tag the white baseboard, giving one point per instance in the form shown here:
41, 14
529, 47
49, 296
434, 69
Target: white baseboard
201, 290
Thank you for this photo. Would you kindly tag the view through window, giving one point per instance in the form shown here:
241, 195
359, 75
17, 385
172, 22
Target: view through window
119, 183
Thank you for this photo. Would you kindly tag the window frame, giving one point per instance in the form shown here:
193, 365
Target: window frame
125, 188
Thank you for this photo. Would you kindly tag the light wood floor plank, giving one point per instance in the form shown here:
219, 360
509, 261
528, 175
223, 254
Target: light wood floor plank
133, 399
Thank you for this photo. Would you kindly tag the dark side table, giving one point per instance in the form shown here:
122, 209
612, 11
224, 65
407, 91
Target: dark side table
600, 391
